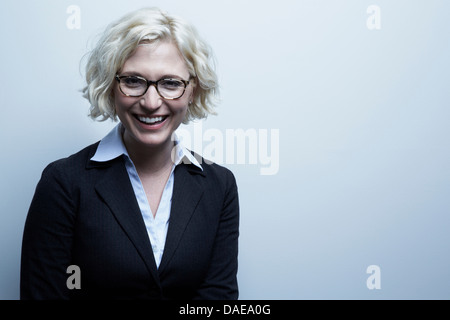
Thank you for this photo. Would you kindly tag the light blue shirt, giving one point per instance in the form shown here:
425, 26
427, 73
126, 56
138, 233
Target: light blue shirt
111, 147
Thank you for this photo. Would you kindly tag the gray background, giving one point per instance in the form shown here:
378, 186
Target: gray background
363, 118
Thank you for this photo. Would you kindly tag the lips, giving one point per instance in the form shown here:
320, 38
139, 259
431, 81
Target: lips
154, 120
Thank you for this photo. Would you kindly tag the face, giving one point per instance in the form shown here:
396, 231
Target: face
150, 120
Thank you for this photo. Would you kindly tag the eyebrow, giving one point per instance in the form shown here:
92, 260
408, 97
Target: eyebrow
138, 74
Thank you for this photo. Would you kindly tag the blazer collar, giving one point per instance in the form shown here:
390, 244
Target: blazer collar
187, 192
114, 187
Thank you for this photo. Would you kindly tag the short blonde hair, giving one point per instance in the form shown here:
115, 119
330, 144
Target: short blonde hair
119, 42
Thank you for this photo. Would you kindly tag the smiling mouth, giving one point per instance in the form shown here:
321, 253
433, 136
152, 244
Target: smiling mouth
151, 120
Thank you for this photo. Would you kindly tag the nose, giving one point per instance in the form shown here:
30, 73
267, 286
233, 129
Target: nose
151, 100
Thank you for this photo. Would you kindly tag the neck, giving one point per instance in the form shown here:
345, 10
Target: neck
149, 160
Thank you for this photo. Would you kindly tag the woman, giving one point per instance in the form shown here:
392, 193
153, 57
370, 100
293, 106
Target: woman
136, 215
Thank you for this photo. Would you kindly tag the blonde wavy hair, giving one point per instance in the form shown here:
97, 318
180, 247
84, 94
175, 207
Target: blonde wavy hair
120, 40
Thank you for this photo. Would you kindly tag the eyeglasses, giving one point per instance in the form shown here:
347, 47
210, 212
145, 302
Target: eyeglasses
134, 86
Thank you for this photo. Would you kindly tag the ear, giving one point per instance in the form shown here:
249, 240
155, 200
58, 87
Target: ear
112, 100
194, 89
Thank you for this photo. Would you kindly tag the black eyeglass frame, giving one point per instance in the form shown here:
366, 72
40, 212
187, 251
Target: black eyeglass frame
152, 83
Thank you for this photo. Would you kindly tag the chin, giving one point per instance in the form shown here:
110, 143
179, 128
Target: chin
154, 140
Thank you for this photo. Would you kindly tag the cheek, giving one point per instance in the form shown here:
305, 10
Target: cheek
120, 101
181, 105
179, 108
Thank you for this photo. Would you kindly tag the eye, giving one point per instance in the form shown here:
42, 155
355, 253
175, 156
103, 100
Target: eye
171, 84
133, 82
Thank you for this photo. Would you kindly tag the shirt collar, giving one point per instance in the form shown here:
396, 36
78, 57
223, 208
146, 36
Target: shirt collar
112, 146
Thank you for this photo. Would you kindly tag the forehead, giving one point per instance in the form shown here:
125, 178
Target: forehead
156, 60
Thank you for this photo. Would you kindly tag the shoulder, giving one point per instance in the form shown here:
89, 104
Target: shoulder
72, 165
216, 174
59, 179
217, 171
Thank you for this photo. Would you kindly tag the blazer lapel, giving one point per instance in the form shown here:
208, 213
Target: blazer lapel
187, 192
116, 190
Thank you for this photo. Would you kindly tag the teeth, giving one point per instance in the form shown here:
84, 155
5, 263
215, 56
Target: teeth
150, 120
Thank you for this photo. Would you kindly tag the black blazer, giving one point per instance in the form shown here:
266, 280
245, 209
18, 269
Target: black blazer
85, 213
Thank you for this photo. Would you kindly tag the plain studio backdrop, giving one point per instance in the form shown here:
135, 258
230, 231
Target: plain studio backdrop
345, 103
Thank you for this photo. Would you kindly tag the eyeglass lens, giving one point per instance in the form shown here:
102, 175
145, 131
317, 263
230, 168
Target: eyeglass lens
167, 88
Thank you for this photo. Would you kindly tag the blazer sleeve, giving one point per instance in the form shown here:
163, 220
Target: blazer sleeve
47, 238
221, 280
